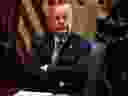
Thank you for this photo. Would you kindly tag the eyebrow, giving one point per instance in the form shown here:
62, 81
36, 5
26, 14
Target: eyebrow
54, 2
68, 1
81, 2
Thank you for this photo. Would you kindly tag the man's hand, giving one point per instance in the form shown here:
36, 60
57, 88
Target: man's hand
44, 68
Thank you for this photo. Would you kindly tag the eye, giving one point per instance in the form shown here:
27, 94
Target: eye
100, 1
64, 17
81, 2
57, 17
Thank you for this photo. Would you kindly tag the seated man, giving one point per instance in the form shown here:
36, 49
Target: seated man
59, 22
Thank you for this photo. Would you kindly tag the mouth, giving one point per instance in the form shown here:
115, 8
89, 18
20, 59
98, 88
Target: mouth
61, 29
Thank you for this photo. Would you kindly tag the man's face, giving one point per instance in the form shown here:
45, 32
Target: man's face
103, 7
59, 16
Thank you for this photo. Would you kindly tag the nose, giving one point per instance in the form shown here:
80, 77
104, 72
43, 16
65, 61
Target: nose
60, 19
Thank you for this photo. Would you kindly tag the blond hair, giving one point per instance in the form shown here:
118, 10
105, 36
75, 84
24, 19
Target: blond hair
26, 9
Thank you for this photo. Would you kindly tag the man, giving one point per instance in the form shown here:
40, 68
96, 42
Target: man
59, 25
104, 7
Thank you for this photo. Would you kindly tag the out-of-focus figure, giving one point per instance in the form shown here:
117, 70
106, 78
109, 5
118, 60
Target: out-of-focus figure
104, 8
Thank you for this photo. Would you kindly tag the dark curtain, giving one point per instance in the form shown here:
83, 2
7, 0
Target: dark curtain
5, 87
8, 28
7, 24
8, 16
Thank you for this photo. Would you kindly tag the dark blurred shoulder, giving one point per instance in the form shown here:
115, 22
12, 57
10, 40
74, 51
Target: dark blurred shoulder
117, 54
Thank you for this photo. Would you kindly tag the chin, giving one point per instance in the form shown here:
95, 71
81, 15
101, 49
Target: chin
61, 30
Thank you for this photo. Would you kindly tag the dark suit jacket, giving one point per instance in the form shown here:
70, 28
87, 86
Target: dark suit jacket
45, 48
